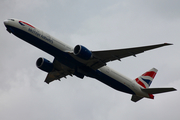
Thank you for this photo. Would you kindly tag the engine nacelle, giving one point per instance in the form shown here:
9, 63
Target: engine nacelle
44, 65
82, 52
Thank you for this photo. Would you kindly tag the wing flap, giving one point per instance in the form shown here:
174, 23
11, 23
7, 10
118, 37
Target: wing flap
59, 71
56, 75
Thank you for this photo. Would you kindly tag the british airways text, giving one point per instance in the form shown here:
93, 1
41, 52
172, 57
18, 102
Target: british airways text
37, 33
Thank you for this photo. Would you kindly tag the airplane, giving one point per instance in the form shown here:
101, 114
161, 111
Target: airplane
80, 61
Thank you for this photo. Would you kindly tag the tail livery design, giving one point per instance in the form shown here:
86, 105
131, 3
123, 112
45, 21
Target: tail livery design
145, 81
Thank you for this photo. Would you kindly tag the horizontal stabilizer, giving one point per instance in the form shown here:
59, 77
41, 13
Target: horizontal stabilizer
157, 90
135, 98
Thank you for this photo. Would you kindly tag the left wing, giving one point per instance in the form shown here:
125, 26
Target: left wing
100, 58
59, 71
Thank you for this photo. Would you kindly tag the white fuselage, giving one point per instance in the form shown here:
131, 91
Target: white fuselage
108, 73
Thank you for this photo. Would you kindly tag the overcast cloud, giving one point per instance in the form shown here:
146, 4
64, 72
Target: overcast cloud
98, 25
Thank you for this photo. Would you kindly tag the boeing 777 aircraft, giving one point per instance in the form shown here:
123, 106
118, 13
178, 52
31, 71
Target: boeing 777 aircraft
80, 61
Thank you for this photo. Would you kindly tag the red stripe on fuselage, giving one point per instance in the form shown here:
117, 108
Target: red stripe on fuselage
140, 83
27, 24
151, 74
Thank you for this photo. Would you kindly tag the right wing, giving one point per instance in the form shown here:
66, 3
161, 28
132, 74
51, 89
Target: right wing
59, 71
100, 58
110, 55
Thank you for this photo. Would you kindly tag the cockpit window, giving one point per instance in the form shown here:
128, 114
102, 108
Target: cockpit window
11, 19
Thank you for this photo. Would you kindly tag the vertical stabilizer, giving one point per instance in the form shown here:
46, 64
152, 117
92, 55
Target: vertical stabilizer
146, 79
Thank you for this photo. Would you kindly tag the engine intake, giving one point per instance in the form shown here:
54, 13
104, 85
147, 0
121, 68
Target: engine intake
44, 65
82, 52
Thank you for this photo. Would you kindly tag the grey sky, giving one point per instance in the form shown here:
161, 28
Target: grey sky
98, 25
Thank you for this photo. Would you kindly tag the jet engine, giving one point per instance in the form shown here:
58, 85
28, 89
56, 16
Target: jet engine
82, 52
44, 65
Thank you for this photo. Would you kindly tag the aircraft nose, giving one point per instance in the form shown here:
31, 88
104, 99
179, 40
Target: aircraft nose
5, 22
8, 28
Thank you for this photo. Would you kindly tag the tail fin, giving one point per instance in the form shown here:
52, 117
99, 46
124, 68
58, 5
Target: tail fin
146, 79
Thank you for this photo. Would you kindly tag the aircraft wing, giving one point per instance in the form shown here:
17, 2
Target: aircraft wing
100, 58
59, 72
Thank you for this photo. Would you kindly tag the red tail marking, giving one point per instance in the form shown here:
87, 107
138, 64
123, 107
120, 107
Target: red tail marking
151, 96
140, 83
151, 74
